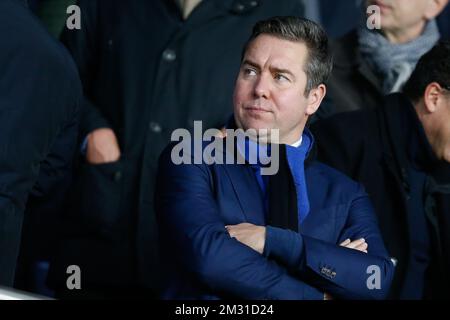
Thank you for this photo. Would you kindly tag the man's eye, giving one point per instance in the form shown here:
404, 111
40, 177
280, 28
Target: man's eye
280, 77
249, 72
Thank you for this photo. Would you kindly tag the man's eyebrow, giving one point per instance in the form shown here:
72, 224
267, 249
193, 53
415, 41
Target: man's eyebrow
251, 63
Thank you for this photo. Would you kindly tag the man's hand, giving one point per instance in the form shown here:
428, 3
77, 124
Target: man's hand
360, 245
102, 147
249, 234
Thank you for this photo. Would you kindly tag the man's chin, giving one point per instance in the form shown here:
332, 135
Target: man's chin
263, 130
256, 124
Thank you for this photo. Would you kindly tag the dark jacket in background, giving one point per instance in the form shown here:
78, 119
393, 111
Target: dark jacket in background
353, 85
39, 98
145, 72
373, 147
339, 16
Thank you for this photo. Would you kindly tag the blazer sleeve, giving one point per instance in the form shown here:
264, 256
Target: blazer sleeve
190, 220
344, 273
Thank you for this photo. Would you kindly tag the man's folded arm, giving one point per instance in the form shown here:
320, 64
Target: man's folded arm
188, 216
342, 272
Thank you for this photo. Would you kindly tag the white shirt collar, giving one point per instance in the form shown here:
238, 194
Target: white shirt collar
298, 143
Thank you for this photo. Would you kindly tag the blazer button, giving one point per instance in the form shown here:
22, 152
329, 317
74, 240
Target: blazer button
117, 176
155, 127
169, 55
328, 272
239, 8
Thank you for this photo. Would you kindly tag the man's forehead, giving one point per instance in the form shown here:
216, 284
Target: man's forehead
279, 53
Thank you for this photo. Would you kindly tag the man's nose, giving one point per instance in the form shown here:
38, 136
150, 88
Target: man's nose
262, 87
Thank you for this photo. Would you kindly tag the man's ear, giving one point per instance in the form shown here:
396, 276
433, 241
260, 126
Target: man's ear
315, 98
434, 8
431, 97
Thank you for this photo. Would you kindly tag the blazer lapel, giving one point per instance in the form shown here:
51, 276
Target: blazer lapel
247, 192
316, 195
322, 218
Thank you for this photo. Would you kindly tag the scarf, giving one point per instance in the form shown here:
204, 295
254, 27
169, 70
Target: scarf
285, 193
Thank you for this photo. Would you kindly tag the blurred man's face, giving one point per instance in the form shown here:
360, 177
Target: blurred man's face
443, 130
270, 88
401, 14
436, 121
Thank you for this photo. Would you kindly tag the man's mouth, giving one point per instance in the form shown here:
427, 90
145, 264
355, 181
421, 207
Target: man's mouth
254, 109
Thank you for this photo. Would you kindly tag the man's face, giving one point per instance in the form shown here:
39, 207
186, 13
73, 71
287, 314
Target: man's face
269, 92
400, 14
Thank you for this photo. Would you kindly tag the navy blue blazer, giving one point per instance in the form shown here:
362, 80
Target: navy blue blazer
194, 202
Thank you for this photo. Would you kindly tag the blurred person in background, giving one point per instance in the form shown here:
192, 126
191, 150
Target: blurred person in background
400, 151
40, 94
40, 229
372, 63
341, 16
